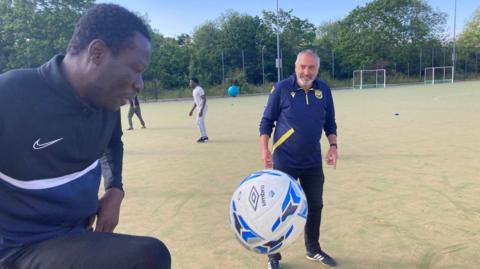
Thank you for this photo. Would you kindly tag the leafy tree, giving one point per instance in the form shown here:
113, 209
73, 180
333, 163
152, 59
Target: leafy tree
325, 44
205, 62
386, 31
240, 44
184, 40
469, 44
169, 62
32, 31
470, 37
295, 35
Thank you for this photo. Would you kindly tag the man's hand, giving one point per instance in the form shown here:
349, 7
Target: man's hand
200, 113
190, 113
332, 157
108, 211
267, 158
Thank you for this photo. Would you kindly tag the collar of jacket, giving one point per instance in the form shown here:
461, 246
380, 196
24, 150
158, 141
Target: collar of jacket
53, 74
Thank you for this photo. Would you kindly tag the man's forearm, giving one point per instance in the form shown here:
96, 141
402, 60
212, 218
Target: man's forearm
112, 160
332, 139
264, 141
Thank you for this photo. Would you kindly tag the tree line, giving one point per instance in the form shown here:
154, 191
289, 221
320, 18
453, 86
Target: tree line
403, 36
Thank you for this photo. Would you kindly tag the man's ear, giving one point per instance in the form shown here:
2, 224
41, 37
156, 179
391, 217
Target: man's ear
97, 51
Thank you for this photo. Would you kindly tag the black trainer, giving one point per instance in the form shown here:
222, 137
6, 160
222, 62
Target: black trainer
321, 257
201, 140
273, 264
205, 138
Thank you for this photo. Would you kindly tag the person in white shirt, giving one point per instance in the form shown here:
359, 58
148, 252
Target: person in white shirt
200, 102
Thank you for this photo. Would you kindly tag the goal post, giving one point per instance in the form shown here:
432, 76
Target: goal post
439, 74
375, 78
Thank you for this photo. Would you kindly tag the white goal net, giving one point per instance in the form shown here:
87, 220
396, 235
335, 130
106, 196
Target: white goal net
441, 74
363, 79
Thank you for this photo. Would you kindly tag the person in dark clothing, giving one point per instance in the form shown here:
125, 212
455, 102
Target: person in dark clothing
300, 108
64, 131
134, 109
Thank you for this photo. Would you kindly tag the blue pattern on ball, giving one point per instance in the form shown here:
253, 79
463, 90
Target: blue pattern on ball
289, 206
293, 205
257, 174
289, 232
244, 230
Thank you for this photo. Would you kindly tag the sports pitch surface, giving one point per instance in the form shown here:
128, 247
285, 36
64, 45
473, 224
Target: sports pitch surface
405, 194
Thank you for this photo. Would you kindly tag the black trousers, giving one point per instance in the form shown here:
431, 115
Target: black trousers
91, 251
137, 111
311, 180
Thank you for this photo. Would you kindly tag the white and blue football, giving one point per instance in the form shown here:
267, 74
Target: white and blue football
268, 211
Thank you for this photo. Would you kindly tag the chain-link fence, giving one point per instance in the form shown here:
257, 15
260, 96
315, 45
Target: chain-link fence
256, 71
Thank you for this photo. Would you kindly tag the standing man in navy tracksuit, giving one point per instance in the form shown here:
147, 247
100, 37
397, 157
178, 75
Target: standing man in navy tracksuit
299, 108
65, 118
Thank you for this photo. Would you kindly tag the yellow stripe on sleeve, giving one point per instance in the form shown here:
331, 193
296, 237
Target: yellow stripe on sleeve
282, 139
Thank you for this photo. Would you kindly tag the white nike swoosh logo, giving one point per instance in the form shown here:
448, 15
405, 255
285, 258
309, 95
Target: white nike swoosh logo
37, 144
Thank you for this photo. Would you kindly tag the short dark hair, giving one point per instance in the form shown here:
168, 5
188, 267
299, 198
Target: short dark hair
194, 79
111, 23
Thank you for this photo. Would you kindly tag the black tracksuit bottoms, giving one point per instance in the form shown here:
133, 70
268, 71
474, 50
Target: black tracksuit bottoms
92, 250
311, 179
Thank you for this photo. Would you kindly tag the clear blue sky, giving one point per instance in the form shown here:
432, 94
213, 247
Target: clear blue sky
174, 17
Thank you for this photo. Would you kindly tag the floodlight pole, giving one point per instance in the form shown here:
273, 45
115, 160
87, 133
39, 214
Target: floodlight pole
243, 63
263, 67
278, 62
223, 71
433, 56
454, 53
333, 65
